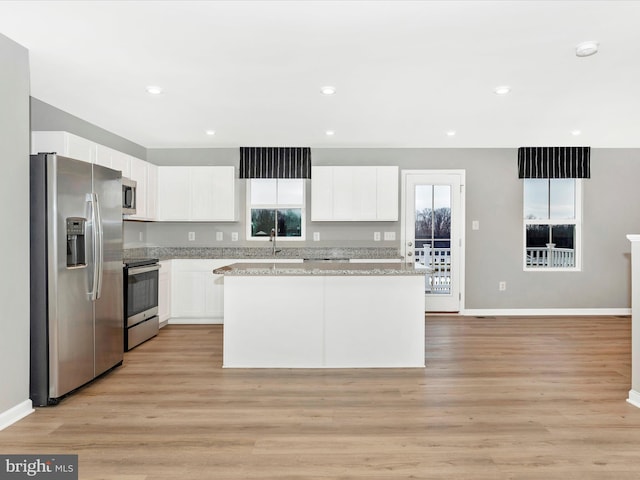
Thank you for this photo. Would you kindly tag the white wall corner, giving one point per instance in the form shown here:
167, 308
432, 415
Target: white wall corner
11, 416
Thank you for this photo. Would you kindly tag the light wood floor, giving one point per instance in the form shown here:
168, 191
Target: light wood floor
500, 398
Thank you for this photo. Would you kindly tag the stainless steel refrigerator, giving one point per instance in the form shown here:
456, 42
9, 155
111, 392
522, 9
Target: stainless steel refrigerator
76, 274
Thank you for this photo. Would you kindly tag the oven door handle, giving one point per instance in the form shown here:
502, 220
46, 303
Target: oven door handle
143, 269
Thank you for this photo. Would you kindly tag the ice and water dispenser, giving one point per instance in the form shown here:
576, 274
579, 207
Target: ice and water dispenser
75, 242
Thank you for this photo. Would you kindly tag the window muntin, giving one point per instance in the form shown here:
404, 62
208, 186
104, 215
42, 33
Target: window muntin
552, 224
274, 202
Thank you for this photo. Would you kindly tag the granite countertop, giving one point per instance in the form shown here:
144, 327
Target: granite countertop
320, 253
320, 268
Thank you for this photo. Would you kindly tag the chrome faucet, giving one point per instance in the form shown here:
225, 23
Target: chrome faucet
272, 238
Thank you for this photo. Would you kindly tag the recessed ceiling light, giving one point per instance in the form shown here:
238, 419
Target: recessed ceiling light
586, 49
502, 90
210, 132
330, 133
154, 90
575, 132
451, 133
328, 90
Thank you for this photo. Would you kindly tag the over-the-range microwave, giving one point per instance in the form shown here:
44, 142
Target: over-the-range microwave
128, 196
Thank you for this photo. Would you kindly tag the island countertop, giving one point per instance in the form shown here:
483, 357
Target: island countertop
320, 268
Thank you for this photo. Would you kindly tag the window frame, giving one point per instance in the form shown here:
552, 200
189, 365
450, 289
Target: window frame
576, 221
276, 206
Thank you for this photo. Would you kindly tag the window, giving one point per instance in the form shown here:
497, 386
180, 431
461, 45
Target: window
552, 224
276, 204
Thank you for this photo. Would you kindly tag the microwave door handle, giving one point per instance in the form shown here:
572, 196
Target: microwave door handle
99, 246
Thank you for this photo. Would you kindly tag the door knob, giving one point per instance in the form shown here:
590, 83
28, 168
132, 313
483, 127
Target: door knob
409, 254
410, 244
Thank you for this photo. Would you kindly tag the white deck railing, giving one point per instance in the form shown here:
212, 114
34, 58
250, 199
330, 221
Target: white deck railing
550, 256
438, 260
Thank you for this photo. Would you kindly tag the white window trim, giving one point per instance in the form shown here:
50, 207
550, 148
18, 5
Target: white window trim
577, 221
303, 213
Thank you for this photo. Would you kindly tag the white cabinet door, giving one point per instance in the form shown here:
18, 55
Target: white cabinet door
48, 142
139, 175
174, 196
321, 194
197, 295
348, 193
187, 294
164, 292
103, 155
152, 191
343, 198
81, 148
201, 194
121, 161
387, 193
223, 185
65, 144
364, 194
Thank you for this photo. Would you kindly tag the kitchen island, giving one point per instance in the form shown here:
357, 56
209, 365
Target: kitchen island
323, 315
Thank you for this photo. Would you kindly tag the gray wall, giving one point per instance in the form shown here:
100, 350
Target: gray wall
14, 218
494, 198
45, 117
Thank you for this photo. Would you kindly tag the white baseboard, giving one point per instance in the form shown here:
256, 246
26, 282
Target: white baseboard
529, 312
196, 321
634, 398
11, 416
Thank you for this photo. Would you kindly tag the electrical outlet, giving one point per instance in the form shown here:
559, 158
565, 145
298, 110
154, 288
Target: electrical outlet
502, 286
475, 225
219, 236
376, 236
192, 236
234, 236
316, 236
389, 235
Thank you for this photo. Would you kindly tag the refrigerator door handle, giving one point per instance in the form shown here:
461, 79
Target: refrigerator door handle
92, 200
92, 220
100, 249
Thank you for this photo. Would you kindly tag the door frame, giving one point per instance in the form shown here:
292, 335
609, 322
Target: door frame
404, 174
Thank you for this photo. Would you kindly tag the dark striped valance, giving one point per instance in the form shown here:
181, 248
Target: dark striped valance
554, 162
275, 162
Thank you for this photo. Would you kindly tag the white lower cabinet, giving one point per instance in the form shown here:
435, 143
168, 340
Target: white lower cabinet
196, 294
164, 292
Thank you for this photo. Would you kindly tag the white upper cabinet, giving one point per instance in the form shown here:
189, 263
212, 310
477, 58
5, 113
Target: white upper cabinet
173, 193
347, 193
152, 191
139, 175
321, 193
197, 194
108, 157
144, 173
65, 144
387, 193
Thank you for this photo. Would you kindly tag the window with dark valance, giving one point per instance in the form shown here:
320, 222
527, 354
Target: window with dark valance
554, 162
275, 162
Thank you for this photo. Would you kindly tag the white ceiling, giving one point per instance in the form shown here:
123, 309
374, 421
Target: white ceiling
406, 72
